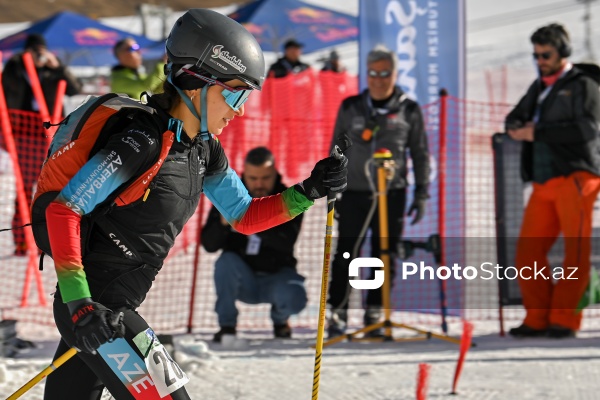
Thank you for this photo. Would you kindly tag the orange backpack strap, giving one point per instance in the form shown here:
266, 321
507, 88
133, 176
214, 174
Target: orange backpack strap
140, 188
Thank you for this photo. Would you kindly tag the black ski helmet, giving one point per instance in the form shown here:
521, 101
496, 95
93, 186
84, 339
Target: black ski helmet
215, 43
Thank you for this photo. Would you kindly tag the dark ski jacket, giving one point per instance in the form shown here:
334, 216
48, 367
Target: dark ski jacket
568, 123
276, 244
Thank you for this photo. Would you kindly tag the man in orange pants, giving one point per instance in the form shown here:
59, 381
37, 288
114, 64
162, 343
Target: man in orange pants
558, 122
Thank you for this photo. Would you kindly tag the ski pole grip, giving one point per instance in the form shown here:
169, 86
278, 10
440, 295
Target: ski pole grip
337, 153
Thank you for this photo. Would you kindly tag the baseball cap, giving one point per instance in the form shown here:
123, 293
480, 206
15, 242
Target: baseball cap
34, 40
293, 43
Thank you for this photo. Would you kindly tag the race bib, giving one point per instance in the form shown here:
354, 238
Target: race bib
165, 373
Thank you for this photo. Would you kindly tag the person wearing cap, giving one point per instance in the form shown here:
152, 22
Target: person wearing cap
18, 92
332, 63
19, 96
127, 77
290, 62
214, 65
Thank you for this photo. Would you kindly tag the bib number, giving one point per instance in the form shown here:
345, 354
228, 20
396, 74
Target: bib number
165, 372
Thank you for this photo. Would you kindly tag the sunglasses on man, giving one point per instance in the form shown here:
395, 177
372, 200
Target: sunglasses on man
545, 55
234, 97
379, 74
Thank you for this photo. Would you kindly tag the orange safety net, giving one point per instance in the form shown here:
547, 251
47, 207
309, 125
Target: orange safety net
294, 117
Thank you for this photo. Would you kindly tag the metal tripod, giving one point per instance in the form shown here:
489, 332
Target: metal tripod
383, 161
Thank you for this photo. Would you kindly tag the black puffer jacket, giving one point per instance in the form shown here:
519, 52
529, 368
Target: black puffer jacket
568, 122
148, 229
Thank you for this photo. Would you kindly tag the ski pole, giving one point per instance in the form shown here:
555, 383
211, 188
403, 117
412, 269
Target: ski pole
47, 371
324, 281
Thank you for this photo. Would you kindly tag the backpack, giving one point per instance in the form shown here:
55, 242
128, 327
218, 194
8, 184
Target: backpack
78, 138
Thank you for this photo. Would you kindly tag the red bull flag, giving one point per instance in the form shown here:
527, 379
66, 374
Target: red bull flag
79, 40
273, 22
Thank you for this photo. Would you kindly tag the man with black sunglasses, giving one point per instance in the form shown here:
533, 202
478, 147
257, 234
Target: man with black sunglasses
557, 120
127, 76
382, 116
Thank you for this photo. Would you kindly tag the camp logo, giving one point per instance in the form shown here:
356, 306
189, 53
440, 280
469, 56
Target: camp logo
231, 60
95, 37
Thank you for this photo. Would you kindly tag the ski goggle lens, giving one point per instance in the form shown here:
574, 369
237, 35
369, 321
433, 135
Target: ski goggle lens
236, 99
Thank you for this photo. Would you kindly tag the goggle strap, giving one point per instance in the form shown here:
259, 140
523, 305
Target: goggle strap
204, 112
186, 99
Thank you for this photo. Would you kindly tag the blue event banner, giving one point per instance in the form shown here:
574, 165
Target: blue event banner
428, 37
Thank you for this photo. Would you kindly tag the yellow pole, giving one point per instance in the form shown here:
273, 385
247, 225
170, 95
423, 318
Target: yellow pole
323, 302
324, 282
382, 158
385, 245
47, 371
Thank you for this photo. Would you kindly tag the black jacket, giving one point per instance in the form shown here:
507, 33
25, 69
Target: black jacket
401, 130
568, 122
283, 67
147, 228
19, 95
276, 244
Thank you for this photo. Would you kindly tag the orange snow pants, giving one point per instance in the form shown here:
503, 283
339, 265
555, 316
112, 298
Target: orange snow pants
560, 205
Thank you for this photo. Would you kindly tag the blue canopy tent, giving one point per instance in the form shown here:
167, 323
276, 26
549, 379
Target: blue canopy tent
79, 41
272, 22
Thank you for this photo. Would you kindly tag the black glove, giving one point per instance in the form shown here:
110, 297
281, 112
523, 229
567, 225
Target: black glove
418, 205
329, 174
94, 324
418, 208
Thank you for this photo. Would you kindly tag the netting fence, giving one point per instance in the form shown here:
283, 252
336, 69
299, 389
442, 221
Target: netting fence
294, 117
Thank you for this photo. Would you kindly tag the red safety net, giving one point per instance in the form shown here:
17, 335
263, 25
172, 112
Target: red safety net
294, 117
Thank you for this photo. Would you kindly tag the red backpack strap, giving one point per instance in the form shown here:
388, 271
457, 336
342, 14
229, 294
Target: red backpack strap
139, 189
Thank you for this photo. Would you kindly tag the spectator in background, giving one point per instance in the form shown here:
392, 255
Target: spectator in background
126, 76
29, 137
18, 92
290, 62
333, 63
557, 120
259, 268
382, 116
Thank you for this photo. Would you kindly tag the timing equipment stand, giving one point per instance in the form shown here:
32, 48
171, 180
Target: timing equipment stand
385, 168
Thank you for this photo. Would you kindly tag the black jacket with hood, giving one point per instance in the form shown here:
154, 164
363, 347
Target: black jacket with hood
568, 122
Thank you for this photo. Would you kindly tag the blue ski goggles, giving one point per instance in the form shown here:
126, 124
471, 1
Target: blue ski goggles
235, 97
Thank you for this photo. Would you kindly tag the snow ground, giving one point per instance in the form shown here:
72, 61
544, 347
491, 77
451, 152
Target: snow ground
497, 368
